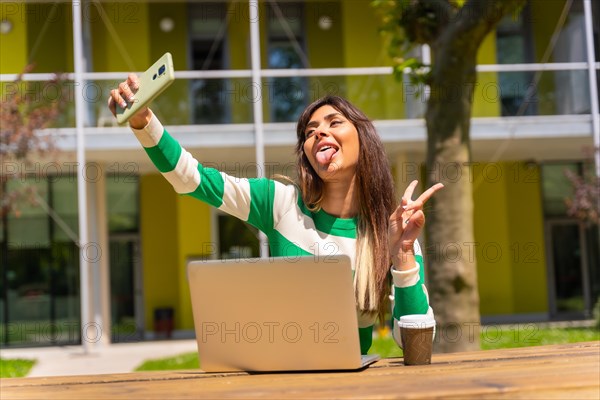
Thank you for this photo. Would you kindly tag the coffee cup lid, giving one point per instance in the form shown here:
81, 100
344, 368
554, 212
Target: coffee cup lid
416, 321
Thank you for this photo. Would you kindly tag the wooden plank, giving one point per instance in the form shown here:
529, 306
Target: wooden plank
112, 378
280, 386
517, 373
487, 355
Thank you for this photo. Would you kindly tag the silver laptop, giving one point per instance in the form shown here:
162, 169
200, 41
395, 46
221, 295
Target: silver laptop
276, 314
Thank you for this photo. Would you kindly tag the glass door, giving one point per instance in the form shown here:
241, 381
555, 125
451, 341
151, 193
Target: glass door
39, 267
572, 268
126, 300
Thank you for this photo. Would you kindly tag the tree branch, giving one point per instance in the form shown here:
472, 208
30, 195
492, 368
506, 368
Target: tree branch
477, 17
424, 21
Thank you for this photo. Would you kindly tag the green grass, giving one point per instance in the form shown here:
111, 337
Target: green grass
530, 335
15, 368
492, 337
182, 361
386, 347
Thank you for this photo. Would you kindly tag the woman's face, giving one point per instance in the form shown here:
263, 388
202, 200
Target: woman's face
331, 144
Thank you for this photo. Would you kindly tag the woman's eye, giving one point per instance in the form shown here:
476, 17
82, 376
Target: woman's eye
334, 123
308, 134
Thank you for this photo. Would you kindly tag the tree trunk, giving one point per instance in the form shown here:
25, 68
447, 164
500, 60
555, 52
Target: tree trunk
455, 31
450, 252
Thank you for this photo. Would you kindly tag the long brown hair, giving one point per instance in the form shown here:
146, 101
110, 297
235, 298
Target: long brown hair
376, 200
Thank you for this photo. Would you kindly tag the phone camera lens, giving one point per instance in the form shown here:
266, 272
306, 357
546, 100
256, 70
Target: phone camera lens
161, 70
154, 77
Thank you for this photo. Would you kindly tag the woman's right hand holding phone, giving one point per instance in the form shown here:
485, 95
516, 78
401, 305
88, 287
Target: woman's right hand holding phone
124, 94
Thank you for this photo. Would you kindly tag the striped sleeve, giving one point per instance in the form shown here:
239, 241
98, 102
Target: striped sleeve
410, 294
250, 200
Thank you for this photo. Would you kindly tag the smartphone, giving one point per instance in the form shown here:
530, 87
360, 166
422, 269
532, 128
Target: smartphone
152, 83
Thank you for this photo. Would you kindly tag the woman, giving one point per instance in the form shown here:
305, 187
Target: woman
343, 203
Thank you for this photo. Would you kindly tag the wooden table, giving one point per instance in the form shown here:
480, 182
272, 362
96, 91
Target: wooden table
543, 372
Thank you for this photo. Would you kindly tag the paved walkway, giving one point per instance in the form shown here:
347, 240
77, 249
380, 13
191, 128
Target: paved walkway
115, 358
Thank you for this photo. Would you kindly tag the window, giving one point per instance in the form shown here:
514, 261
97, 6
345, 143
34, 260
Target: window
286, 50
208, 28
572, 87
122, 203
556, 187
514, 46
237, 239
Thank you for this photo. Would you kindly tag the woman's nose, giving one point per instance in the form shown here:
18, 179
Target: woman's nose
322, 132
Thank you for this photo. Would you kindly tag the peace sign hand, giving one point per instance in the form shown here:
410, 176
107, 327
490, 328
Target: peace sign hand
406, 223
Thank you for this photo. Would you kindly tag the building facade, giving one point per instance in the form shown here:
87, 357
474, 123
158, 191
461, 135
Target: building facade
533, 118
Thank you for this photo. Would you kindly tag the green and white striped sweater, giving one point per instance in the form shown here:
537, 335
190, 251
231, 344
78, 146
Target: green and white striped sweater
278, 210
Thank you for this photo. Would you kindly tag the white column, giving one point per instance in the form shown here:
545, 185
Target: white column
257, 108
79, 64
591, 58
99, 253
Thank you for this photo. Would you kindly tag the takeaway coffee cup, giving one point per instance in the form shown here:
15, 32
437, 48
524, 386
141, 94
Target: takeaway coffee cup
416, 332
